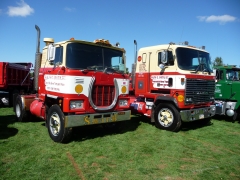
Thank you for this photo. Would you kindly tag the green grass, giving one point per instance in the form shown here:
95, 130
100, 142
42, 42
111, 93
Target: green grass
137, 150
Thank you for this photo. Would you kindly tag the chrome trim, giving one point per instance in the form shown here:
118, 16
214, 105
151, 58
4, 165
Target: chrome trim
52, 96
102, 108
97, 118
198, 114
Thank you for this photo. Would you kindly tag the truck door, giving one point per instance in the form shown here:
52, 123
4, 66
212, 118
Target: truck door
228, 91
142, 75
220, 84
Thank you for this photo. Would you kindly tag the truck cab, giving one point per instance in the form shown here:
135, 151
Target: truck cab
173, 83
77, 83
227, 91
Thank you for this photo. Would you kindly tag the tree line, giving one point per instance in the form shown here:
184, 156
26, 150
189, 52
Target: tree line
219, 62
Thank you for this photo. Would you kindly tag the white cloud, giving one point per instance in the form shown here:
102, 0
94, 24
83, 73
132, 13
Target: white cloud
69, 9
22, 9
221, 19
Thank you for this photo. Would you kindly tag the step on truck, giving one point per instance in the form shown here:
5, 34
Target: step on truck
172, 84
77, 83
227, 91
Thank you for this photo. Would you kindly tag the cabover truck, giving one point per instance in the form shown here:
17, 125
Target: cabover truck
172, 84
227, 91
14, 78
77, 83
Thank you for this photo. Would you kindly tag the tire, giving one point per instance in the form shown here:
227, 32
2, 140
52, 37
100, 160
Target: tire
167, 117
21, 114
12, 98
235, 116
55, 124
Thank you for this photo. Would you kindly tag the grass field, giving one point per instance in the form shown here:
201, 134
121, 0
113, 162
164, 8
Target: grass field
136, 151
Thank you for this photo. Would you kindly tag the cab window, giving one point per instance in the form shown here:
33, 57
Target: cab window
170, 61
58, 55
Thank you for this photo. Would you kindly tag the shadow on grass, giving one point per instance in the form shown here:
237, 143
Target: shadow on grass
5, 131
185, 126
226, 118
195, 125
6, 120
94, 131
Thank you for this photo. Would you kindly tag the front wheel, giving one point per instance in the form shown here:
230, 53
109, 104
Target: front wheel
235, 116
167, 117
55, 125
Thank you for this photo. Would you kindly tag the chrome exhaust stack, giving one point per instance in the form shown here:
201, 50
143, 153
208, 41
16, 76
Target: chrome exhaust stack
38, 56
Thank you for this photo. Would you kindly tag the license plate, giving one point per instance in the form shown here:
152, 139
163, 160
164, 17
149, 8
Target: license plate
201, 116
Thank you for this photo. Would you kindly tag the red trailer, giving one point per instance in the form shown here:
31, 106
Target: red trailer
15, 78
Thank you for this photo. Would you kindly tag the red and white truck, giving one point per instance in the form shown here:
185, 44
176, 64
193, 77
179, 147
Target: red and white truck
14, 79
172, 84
77, 83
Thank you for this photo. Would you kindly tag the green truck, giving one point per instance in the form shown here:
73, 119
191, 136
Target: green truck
227, 91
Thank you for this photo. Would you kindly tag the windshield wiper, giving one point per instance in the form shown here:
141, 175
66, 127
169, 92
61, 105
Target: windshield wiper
201, 66
95, 68
112, 70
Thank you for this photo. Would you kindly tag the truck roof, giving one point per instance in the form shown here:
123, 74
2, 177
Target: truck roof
107, 44
233, 67
165, 46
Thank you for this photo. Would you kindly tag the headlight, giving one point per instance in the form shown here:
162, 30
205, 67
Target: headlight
123, 102
76, 104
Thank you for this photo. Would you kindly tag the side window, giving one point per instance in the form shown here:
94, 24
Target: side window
144, 58
58, 55
219, 75
170, 61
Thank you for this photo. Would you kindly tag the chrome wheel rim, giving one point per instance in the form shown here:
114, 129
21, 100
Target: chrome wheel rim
165, 117
54, 123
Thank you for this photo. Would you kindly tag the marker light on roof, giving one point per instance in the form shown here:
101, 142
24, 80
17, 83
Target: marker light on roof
103, 42
139, 58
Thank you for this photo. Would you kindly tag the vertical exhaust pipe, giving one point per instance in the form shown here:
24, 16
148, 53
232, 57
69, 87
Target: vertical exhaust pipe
134, 66
38, 56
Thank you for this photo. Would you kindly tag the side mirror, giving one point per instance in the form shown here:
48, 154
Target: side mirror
164, 57
51, 52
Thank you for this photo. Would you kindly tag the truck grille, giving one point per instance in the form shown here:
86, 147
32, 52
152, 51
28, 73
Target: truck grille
103, 95
199, 90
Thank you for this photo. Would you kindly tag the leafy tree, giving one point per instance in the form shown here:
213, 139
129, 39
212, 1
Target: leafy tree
218, 61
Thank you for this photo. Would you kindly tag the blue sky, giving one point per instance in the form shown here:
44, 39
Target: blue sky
212, 23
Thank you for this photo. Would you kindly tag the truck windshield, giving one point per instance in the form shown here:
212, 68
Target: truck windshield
232, 75
193, 60
91, 57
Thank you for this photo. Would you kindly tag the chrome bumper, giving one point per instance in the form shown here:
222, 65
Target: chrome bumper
98, 118
199, 113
